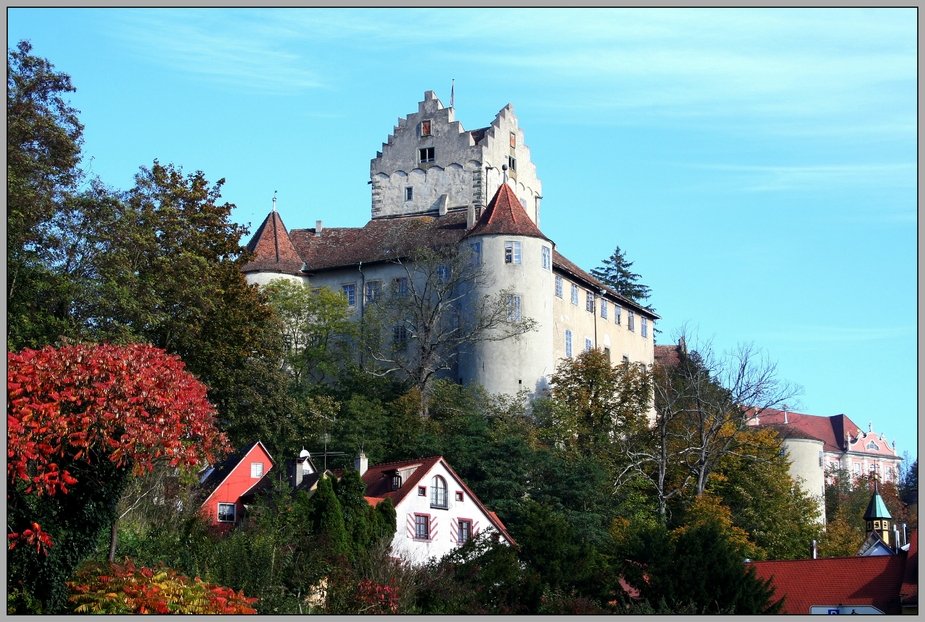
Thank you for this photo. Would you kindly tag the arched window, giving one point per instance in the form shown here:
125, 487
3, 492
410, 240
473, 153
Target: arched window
438, 493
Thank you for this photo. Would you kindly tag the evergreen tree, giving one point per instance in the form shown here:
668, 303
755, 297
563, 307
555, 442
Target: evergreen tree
615, 272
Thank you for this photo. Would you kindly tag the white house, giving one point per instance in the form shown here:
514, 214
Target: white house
435, 510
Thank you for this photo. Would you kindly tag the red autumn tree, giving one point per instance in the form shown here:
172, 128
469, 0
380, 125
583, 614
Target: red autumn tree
80, 418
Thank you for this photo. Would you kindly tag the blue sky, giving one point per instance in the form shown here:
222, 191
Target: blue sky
757, 166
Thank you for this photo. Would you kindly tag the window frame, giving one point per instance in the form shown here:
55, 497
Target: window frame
631, 321
426, 127
568, 343
258, 470
460, 540
559, 287
618, 315
219, 514
350, 291
514, 308
438, 486
409, 193
546, 260
399, 336
425, 523
476, 249
422, 491
574, 294
603, 308
373, 291
512, 252
427, 155
589, 344
589, 301
401, 286
643, 326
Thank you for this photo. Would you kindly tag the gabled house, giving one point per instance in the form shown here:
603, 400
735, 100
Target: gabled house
436, 511
231, 480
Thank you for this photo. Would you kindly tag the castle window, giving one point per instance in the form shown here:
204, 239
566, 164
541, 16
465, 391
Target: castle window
513, 307
631, 321
226, 512
574, 294
350, 291
558, 286
511, 252
603, 308
399, 336
409, 193
513, 140
426, 154
568, 343
547, 258
512, 164
644, 327
617, 312
401, 286
476, 249
589, 301
443, 273
425, 127
373, 291
589, 345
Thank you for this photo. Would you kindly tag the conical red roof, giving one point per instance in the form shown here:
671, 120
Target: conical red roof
273, 249
506, 216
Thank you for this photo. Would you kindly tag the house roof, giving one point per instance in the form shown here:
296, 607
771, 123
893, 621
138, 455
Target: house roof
669, 356
561, 262
378, 485
909, 591
272, 248
506, 216
220, 472
806, 583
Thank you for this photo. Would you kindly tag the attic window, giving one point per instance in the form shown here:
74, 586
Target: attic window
226, 512
426, 155
872, 445
425, 127
422, 491
459, 495
256, 470
396, 482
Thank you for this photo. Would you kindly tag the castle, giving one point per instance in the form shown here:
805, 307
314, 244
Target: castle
435, 183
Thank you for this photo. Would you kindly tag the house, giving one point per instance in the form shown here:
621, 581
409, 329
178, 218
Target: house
230, 481
430, 187
435, 510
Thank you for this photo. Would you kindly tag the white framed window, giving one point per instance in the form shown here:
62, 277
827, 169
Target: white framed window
373, 291
589, 345
226, 512
426, 155
644, 326
558, 286
421, 527
425, 127
574, 294
589, 302
631, 321
513, 307
438, 497
350, 291
409, 193
256, 470
547, 258
603, 308
568, 343
512, 251
476, 249
617, 315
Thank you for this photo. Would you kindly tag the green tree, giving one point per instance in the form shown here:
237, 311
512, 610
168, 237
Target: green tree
615, 272
327, 521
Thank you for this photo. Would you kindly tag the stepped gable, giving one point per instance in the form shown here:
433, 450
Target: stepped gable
273, 249
506, 216
382, 239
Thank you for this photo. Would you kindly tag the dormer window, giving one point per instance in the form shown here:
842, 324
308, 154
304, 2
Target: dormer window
425, 127
426, 155
396, 481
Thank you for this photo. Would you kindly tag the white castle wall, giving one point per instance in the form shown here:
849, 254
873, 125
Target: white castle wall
262, 278
806, 467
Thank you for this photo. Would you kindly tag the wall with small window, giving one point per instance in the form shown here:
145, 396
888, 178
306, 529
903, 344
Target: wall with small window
223, 506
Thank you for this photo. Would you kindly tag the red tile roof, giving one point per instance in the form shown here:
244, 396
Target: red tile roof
830, 430
273, 249
378, 485
909, 592
668, 356
807, 583
506, 216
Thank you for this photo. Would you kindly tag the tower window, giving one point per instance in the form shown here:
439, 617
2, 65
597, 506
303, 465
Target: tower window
476, 249
426, 154
547, 259
409, 193
425, 127
512, 164
558, 286
513, 140
568, 343
513, 308
511, 252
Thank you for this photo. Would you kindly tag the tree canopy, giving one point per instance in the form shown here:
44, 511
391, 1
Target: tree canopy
615, 272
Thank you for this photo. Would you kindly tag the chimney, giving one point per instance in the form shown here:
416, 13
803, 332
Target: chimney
360, 463
814, 551
319, 227
470, 216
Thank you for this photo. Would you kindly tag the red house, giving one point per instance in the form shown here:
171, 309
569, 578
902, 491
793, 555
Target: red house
232, 479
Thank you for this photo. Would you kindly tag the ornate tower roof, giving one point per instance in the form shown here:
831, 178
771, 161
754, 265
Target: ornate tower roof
876, 509
506, 216
273, 249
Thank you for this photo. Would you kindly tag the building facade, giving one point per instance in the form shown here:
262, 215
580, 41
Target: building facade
431, 184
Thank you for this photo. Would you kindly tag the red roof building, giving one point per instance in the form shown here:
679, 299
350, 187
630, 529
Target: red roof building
232, 479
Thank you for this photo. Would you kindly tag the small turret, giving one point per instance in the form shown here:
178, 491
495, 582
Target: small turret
878, 518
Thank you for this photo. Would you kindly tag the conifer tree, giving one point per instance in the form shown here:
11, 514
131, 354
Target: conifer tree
615, 272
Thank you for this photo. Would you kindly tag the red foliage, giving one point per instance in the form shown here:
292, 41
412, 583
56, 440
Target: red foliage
378, 597
33, 536
135, 405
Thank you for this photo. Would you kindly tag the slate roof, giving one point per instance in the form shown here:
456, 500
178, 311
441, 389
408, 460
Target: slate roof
506, 216
805, 583
272, 248
378, 485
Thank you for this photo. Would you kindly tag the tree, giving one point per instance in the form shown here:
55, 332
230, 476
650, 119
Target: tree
80, 419
44, 138
418, 328
615, 273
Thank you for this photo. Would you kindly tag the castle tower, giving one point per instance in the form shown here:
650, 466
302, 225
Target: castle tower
517, 259
430, 164
274, 255
878, 519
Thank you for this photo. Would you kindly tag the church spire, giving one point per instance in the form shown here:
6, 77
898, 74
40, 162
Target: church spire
878, 517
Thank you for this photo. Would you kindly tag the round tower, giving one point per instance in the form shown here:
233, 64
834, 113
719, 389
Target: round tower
516, 260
